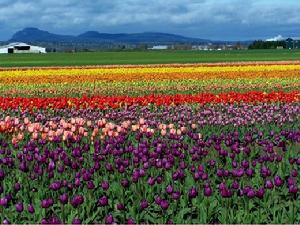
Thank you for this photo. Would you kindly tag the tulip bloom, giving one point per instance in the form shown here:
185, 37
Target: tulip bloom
19, 207
144, 204
193, 193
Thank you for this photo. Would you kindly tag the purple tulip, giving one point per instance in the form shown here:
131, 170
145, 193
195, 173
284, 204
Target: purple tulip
90, 185
220, 173
87, 176
151, 181
55, 186
103, 201
9, 197
5, 222
31, 209
269, 184
169, 189
193, 193
294, 173
278, 181
291, 181
125, 183
2, 174
260, 193
157, 200
212, 163
235, 184
238, 172
3, 201
130, 221
265, 172
105, 185
250, 172
164, 204
292, 161
51, 165
77, 200
17, 187
293, 189
60, 168
76, 221
64, 198
142, 172
207, 191
144, 204
46, 203
77, 182
44, 221
109, 167
226, 173
234, 164
120, 206
245, 164
176, 195
204, 176
54, 220
19, 207
170, 222
226, 193
159, 179
109, 219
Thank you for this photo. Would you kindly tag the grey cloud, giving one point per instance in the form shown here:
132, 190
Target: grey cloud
202, 18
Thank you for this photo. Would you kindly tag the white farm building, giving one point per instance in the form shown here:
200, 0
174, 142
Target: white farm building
20, 47
159, 47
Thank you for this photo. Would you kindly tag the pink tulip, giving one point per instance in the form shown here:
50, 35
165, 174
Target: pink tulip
30, 129
73, 128
110, 133
119, 129
194, 126
183, 129
81, 130
89, 123
7, 119
200, 136
26, 121
35, 135
16, 122
44, 136
141, 121
20, 136
171, 126
134, 127
50, 133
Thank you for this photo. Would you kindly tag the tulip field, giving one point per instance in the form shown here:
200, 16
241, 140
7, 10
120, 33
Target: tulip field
150, 144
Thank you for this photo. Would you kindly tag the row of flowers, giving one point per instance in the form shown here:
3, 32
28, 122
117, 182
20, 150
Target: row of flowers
125, 101
41, 124
138, 88
75, 75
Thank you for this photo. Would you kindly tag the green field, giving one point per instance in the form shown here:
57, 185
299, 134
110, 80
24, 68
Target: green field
144, 57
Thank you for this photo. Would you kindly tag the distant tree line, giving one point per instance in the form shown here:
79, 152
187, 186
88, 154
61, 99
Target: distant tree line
267, 44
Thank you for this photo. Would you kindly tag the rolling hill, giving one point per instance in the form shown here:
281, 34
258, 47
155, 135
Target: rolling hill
37, 35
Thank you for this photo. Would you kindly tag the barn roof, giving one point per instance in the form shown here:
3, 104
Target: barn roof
14, 44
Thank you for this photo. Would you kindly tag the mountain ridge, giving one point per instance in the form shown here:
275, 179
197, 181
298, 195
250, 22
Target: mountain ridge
32, 34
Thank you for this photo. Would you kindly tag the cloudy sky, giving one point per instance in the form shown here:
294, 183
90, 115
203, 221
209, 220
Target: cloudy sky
212, 19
